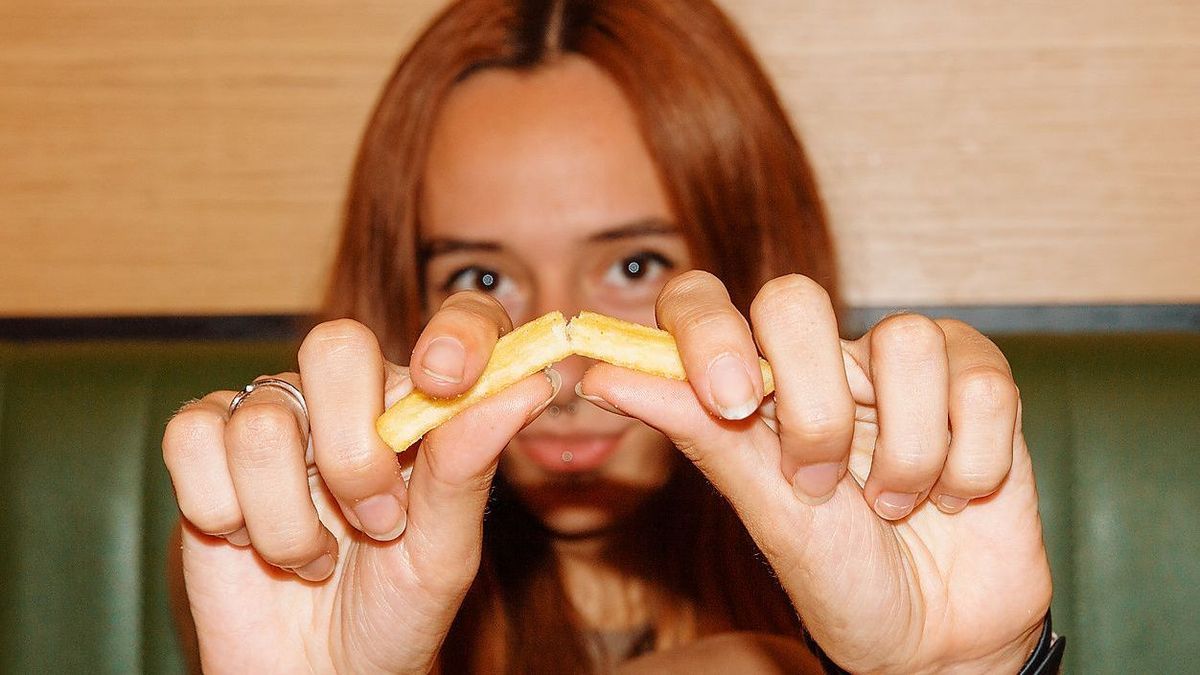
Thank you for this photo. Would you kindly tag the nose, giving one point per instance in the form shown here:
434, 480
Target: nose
571, 369
558, 294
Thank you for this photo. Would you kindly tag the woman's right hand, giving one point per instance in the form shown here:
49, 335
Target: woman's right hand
326, 561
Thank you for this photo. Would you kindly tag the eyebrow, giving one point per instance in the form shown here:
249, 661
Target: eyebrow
637, 228
444, 245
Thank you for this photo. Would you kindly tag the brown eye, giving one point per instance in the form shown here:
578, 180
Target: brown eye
637, 268
476, 279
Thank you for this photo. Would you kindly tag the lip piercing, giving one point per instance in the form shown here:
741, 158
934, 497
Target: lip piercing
567, 456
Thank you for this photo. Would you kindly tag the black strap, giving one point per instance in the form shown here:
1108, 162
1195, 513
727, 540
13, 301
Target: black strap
1047, 656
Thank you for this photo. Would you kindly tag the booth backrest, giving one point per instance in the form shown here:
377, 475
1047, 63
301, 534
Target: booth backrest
86, 505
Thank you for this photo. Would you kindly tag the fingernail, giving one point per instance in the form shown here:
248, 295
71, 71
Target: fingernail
381, 516
732, 389
951, 504
317, 570
239, 538
402, 388
597, 401
814, 484
555, 380
895, 505
444, 360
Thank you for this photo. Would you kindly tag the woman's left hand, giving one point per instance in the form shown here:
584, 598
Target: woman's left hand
887, 481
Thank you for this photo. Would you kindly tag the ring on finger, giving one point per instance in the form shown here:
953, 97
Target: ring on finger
289, 389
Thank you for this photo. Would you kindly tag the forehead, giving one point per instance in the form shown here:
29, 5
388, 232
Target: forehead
537, 156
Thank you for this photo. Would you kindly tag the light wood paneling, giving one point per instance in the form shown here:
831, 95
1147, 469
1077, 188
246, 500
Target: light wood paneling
190, 157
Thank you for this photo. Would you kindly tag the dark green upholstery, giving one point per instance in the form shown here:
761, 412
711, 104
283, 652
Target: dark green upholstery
86, 507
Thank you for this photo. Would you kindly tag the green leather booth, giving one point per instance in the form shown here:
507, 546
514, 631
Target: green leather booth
86, 506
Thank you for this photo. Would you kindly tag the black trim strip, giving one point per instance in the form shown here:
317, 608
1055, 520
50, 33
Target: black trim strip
993, 320
257, 327
1002, 319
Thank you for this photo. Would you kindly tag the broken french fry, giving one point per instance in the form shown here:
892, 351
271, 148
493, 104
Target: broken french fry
534, 346
632, 345
516, 356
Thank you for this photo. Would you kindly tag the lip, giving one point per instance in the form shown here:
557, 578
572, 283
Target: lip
568, 454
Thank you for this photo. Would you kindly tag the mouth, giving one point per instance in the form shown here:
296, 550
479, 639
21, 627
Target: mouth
568, 454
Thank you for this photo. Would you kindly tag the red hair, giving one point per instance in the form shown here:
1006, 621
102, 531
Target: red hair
744, 197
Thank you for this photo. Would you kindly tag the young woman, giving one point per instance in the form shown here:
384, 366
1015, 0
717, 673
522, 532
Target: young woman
627, 157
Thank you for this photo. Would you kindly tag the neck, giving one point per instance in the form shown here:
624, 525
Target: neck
607, 594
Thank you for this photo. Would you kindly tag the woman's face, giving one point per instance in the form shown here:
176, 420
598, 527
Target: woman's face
540, 191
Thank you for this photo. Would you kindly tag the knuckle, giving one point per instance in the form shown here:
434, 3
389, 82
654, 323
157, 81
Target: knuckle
821, 426
703, 319
212, 517
786, 291
346, 459
986, 391
682, 286
486, 323
957, 326
190, 432
979, 477
967, 337
258, 431
908, 333
333, 338
915, 461
292, 544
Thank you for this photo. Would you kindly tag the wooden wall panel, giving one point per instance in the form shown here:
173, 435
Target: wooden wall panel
190, 157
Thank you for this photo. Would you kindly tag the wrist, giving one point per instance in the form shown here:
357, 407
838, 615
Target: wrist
1018, 655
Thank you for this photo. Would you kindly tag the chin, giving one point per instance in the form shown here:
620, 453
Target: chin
571, 521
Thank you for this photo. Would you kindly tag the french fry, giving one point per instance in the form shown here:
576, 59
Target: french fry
516, 356
632, 345
534, 346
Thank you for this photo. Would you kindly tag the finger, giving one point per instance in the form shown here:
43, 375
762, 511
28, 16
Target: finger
983, 418
796, 327
265, 448
715, 344
344, 385
194, 453
741, 458
397, 383
909, 368
278, 396
453, 474
457, 343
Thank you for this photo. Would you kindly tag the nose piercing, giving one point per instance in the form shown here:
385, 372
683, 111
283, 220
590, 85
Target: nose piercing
556, 410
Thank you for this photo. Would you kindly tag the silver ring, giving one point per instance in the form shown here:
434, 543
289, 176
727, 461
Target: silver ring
272, 383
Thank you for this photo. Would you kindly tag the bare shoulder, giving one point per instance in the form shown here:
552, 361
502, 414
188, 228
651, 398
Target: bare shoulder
743, 652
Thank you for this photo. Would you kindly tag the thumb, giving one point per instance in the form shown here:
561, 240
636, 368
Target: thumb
453, 470
739, 457
827, 557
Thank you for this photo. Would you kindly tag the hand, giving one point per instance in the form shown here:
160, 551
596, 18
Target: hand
903, 548
334, 564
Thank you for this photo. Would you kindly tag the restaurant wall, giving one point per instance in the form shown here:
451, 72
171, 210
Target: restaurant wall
190, 157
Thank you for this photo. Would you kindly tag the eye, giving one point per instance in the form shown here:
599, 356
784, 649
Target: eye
643, 267
477, 279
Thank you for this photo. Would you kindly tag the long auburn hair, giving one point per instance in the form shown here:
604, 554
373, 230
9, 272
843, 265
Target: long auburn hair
744, 197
